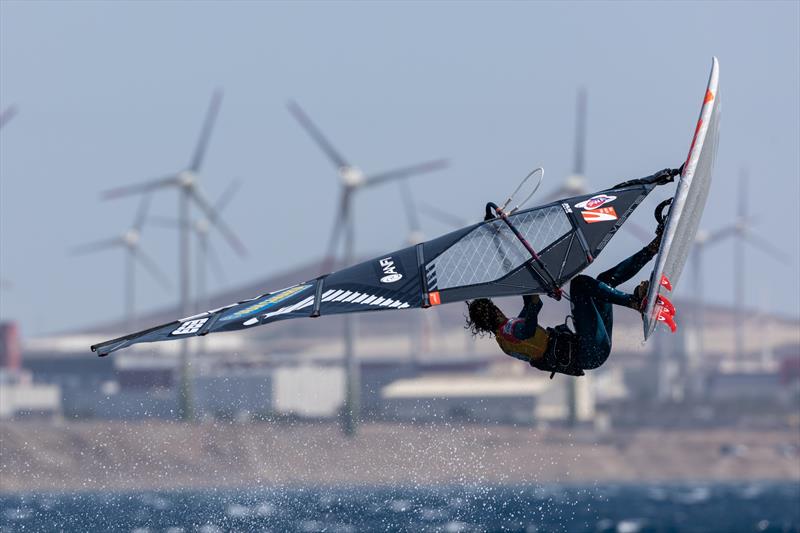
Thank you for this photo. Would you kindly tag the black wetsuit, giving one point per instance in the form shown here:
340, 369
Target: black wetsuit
592, 299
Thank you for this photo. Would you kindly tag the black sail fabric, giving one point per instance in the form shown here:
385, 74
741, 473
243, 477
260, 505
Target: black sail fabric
483, 260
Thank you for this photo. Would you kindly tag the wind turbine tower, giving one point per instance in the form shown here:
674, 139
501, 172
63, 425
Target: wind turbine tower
130, 241
352, 179
186, 182
744, 235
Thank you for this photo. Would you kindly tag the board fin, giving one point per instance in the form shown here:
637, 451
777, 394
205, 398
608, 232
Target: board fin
666, 303
665, 312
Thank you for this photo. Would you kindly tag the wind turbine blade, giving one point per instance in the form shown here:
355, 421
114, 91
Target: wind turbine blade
580, 133
217, 221
141, 187
421, 168
7, 114
722, 234
96, 246
409, 207
766, 247
216, 264
164, 222
152, 268
443, 216
227, 195
317, 135
329, 259
205, 133
141, 214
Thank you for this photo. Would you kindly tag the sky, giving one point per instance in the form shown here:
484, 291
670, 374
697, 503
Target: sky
114, 93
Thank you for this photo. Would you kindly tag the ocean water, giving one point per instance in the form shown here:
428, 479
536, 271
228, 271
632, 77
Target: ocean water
599, 508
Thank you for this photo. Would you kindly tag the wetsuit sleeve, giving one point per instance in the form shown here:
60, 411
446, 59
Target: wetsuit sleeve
526, 328
661, 177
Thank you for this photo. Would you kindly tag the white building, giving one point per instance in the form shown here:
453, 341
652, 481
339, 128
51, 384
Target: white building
20, 397
516, 399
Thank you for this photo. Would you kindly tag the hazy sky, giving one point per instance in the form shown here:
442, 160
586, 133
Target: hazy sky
114, 93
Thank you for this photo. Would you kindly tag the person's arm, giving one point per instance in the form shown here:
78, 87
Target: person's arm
662, 177
526, 328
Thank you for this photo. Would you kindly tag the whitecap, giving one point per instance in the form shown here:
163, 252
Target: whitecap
235, 510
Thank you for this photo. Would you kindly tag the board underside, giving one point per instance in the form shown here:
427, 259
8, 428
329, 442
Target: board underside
689, 201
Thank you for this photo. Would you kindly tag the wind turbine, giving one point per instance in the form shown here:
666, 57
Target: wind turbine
352, 179
702, 241
575, 184
426, 320
187, 184
207, 255
743, 233
130, 241
415, 234
455, 222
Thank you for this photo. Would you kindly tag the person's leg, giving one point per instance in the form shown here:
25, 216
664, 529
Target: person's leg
632, 265
628, 268
588, 287
594, 319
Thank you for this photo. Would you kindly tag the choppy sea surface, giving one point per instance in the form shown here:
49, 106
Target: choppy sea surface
598, 508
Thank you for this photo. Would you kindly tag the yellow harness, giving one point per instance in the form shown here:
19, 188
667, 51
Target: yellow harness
531, 349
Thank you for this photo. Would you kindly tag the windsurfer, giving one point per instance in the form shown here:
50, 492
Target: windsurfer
560, 349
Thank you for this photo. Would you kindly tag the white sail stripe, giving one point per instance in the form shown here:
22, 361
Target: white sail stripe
308, 301
332, 296
305, 303
351, 297
342, 296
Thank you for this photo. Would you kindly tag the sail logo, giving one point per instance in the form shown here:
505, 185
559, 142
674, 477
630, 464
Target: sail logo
190, 327
595, 201
266, 303
389, 269
603, 214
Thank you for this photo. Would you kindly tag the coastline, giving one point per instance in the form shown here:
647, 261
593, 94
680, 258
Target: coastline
157, 455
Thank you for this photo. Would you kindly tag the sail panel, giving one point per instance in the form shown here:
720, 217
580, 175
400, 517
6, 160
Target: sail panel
492, 251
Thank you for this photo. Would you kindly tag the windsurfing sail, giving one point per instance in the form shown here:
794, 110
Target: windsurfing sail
487, 259
686, 209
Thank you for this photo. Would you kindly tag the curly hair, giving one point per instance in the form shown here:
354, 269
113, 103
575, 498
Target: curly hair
483, 317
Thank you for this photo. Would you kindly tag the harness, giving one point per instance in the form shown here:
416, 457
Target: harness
560, 357
550, 350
